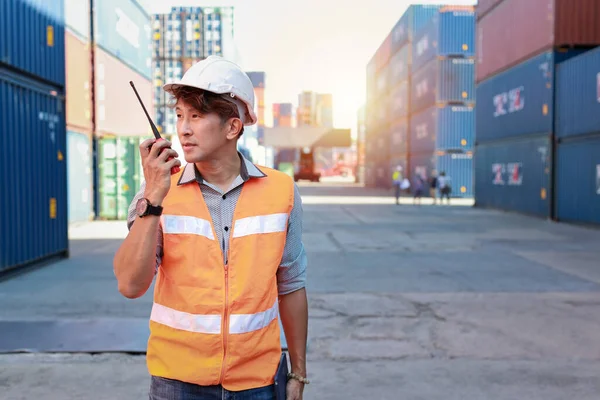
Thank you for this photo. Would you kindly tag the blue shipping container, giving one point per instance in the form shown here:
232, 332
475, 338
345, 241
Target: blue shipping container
79, 182
518, 101
514, 176
399, 135
33, 204
415, 18
578, 180
459, 168
443, 82
450, 33
257, 79
455, 128
122, 28
400, 66
399, 102
32, 38
578, 95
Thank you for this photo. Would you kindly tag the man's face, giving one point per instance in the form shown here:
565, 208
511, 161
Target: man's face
200, 135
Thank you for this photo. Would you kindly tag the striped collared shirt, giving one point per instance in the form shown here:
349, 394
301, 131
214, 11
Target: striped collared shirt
291, 275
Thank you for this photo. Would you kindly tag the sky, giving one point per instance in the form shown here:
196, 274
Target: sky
317, 45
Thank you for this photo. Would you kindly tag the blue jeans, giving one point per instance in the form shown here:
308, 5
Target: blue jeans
169, 389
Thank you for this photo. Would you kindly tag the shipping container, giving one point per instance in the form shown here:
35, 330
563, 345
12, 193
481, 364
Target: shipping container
520, 100
122, 29
459, 168
33, 204
516, 30
415, 18
399, 137
399, 69
383, 82
32, 38
451, 33
514, 175
399, 102
77, 18
119, 170
423, 131
257, 79
79, 173
78, 73
383, 53
578, 95
370, 175
383, 177
578, 180
448, 81
118, 111
421, 164
485, 6
371, 80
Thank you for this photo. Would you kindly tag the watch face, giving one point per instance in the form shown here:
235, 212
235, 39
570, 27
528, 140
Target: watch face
141, 207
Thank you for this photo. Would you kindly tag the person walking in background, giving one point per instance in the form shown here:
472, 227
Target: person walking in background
419, 188
397, 179
433, 182
444, 184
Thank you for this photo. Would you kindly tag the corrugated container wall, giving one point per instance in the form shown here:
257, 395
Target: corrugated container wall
455, 128
117, 109
399, 69
399, 102
77, 18
450, 33
516, 30
484, 6
578, 95
514, 176
423, 131
578, 181
122, 28
459, 167
79, 182
32, 38
78, 72
33, 204
399, 135
422, 164
443, 81
415, 18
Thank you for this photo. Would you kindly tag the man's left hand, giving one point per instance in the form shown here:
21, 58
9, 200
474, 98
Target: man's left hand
294, 390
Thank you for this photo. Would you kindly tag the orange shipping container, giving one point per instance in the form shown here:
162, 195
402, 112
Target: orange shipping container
78, 71
118, 111
285, 120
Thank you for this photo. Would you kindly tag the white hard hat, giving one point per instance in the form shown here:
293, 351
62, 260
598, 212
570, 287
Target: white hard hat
218, 75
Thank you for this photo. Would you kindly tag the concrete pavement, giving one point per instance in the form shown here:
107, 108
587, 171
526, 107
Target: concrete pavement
406, 302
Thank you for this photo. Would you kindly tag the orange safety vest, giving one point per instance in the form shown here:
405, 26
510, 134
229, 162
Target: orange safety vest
213, 323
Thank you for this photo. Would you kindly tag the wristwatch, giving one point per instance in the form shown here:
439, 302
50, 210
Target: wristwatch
143, 207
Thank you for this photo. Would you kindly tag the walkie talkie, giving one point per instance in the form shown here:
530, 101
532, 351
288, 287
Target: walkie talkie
175, 169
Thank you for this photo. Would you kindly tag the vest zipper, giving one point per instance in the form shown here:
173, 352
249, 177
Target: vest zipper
225, 322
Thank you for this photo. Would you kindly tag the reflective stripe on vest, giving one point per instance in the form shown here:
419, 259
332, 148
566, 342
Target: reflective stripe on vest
211, 324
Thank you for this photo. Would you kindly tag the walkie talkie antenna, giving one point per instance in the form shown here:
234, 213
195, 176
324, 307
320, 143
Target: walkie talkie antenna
154, 129
174, 170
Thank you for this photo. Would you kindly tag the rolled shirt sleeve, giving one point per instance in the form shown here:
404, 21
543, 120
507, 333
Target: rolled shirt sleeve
291, 275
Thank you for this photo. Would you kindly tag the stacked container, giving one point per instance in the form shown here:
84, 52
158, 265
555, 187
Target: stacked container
123, 53
79, 110
33, 204
520, 45
442, 98
285, 159
578, 139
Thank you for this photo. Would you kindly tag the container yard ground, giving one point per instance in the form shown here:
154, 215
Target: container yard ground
406, 302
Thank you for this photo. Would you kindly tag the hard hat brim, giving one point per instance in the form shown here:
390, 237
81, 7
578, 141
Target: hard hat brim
171, 87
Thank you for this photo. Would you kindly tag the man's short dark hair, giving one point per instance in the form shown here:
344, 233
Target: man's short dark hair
206, 103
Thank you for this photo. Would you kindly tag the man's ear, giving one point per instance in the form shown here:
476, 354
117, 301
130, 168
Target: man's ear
233, 126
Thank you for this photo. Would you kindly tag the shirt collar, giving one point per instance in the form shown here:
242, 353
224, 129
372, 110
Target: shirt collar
248, 170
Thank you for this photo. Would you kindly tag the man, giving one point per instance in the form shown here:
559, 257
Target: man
433, 181
444, 183
229, 254
397, 179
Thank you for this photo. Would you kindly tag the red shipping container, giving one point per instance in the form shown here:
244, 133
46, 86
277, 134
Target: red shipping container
118, 111
483, 6
78, 71
516, 30
384, 53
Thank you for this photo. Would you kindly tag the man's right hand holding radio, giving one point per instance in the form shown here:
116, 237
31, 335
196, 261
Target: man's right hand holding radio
157, 168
